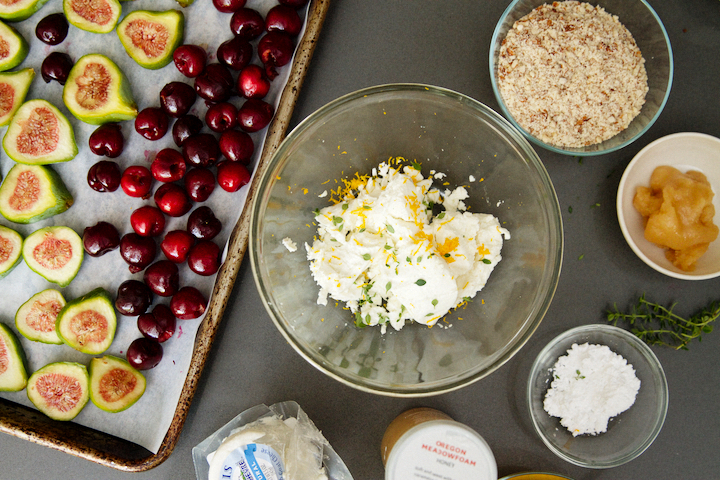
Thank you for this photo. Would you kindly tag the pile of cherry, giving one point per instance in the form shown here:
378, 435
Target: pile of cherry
186, 176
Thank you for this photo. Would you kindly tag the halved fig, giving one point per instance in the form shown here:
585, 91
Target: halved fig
88, 323
31, 193
151, 37
13, 46
13, 369
55, 253
16, 10
35, 319
114, 384
185, 3
60, 390
10, 249
13, 89
98, 92
96, 16
39, 134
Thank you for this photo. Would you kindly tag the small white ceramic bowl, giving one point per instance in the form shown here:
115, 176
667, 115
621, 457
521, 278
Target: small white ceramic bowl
684, 151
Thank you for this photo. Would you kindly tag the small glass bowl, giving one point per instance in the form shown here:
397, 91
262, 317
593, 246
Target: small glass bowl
630, 433
649, 33
684, 151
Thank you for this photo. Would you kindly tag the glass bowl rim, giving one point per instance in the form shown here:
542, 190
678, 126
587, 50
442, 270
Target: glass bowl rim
570, 151
542, 305
646, 353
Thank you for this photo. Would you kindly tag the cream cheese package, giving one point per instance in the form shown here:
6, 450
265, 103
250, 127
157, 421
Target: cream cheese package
278, 442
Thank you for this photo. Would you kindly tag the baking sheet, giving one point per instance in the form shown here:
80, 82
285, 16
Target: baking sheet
148, 421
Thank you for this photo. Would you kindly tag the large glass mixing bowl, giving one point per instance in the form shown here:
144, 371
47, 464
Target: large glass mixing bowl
443, 131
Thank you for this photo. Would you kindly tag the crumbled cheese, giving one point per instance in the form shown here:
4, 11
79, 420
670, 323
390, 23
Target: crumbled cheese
380, 250
289, 244
571, 74
591, 384
472, 178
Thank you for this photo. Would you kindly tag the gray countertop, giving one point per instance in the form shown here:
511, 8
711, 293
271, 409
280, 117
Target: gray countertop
446, 43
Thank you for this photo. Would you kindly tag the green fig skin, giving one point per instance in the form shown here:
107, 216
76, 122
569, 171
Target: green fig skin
20, 10
172, 20
185, 3
53, 198
17, 47
16, 84
120, 105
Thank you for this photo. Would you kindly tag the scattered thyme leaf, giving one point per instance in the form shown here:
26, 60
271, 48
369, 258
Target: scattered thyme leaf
420, 282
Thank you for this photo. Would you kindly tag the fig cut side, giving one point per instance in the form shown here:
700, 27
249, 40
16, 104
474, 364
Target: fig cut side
88, 323
98, 92
96, 16
150, 38
13, 89
60, 390
55, 253
10, 250
13, 363
114, 384
17, 10
39, 134
13, 47
31, 193
36, 318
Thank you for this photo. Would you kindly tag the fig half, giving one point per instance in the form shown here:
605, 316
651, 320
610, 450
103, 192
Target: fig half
31, 193
39, 134
151, 37
13, 46
55, 253
98, 92
10, 250
17, 10
114, 384
13, 89
13, 369
59, 390
88, 323
96, 16
35, 319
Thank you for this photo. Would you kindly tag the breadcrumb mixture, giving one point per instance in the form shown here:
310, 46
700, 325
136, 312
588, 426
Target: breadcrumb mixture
571, 74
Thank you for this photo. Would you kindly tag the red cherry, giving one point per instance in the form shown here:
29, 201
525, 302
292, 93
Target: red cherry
188, 303
282, 18
163, 278
221, 116
255, 115
147, 221
235, 53
136, 181
231, 176
104, 176
204, 258
236, 146
190, 60
152, 123
107, 140
168, 166
247, 23
157, 325
173, 200
253, 82
229, 6
177, 244
199, 183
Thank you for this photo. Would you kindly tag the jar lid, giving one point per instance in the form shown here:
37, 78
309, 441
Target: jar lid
441, 449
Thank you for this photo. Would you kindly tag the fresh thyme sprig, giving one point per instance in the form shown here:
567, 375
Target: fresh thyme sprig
658, 325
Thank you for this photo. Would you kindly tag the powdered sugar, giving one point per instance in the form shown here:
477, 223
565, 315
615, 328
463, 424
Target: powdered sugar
591, 384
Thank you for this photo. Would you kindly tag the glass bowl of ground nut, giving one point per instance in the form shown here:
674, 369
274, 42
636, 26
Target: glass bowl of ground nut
597, 396
406, 240
581, 79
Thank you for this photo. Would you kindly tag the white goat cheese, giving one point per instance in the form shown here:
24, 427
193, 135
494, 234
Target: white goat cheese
380, 250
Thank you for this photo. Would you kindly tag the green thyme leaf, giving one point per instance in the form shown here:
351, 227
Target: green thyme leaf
420, 282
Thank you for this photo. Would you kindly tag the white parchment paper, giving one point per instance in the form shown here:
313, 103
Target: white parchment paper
146, 422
